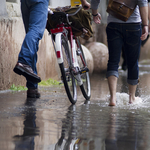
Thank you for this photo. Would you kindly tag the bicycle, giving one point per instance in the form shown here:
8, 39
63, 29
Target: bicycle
70, 57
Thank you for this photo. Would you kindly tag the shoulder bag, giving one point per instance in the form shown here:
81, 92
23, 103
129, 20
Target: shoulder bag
121, 9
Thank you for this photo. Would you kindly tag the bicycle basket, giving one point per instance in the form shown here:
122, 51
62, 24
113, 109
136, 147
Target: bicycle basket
81, 23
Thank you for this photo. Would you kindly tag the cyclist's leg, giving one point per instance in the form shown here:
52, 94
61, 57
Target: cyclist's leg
34, 17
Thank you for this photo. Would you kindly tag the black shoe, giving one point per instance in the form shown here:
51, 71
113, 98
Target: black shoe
27, 72
33, 93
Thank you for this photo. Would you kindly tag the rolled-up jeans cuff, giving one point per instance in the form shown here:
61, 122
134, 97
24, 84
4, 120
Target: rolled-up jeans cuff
133, 82
112, 73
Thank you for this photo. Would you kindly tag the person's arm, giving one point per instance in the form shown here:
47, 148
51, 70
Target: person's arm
144, 17
96, 16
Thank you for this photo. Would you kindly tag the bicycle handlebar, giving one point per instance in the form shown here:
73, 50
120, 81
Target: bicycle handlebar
80, 7
68, 15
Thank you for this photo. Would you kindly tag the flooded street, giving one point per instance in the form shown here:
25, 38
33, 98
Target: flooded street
52, 123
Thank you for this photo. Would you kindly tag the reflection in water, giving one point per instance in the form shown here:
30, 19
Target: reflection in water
76, 128
70, 139
111, 139
26, 140
124, 135
93, 127
68, 134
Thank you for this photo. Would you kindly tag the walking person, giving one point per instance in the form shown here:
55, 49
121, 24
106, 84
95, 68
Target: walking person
128, 34
34, 14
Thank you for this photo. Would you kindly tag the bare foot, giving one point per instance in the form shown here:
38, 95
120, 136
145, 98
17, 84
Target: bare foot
132, 101
112, 103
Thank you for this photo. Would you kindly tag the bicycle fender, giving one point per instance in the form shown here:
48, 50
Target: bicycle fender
58, 48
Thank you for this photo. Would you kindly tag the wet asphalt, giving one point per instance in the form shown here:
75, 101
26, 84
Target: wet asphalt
52, 123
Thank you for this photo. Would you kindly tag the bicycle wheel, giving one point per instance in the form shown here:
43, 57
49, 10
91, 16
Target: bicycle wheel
85, 87
65, 67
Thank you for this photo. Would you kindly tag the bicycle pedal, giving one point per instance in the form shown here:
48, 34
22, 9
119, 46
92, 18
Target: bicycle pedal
84, 70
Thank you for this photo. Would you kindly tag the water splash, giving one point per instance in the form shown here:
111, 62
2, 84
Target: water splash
123, 100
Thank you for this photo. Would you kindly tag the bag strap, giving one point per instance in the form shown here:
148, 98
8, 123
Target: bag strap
129, 3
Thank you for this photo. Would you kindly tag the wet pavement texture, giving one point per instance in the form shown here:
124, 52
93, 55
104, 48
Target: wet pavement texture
52, 123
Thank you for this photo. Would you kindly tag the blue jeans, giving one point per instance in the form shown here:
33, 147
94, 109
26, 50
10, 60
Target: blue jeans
34, 14
125, 35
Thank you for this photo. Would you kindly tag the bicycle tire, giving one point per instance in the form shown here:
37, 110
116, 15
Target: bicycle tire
65, 68
85, 87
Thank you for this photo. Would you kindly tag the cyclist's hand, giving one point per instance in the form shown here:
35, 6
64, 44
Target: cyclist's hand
85, 5
97, 19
